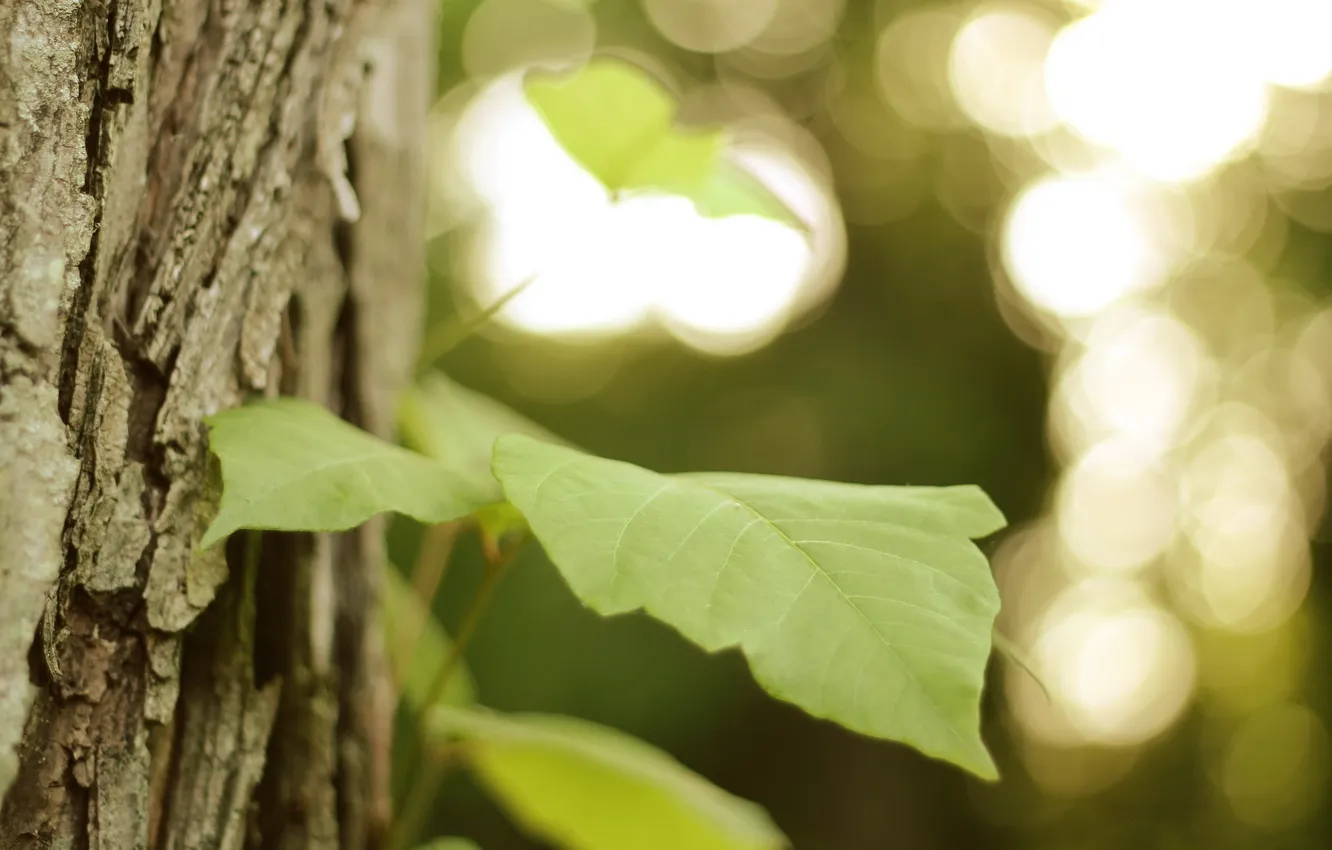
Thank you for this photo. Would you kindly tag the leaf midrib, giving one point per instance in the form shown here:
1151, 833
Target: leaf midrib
335, 464
818, 568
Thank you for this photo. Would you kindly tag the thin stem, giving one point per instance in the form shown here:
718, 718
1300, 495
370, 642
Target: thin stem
416, 808
497, 563
1014, 653
432, 563
448, 334
424, 777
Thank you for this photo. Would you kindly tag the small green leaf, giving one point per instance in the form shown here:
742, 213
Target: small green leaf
450, 844
865, 605
290, 465
418, 647
731, 190
618, 123
586, 787
458, 427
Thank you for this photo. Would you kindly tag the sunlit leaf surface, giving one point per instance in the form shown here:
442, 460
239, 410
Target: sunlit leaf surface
866, 605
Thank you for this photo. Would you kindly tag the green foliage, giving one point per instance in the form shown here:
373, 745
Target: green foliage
618, 123
865, 605
450, 844
291, 465
458, 427
418, 647
586, 787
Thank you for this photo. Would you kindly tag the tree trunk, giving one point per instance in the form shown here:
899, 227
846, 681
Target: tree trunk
168, 246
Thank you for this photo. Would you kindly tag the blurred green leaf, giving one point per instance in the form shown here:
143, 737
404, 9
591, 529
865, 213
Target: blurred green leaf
618, 123
498, 520
865, 605
588, 787
418, 647
458, 427
450, 844
731, 190
291, 465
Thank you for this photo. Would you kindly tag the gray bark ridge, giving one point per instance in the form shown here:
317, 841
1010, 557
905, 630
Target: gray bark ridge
168, 246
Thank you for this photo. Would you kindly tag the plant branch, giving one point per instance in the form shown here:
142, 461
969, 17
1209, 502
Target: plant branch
1009, 649
422, 788
447, 335
428, 571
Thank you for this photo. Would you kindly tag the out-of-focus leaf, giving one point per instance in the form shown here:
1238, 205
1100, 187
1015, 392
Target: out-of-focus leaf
618, 123
450, 844
869, 606
731, 190
500, 519
587, 787
418, 647
458, 427
291, 465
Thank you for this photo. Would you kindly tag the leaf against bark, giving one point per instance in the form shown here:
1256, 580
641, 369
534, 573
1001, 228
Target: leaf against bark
418, 647
865, 605
290, 465
617, 122
583, 786
458, 427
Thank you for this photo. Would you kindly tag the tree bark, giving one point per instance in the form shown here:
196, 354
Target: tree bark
169, 246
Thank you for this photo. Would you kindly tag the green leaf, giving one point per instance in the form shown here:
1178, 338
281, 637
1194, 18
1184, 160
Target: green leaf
731, 190
865, 605
418, 647
618, 123
450, 844
290, 465
586, 787
458, 427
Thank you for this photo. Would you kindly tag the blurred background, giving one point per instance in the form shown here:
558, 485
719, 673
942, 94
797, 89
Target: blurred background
1076, 252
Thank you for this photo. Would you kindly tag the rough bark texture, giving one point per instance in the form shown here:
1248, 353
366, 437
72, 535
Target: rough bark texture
168, 246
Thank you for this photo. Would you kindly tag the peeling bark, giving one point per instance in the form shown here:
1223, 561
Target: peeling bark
168, 246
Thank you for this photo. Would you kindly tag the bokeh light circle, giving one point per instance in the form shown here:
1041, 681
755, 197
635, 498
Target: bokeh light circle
710, 26
997, 71
1074, 245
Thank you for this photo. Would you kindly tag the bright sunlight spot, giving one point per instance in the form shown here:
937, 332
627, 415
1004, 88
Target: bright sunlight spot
1116, 507
1075, 245
997, 70
1290, 42
1165, 83
711, 26
593, 267
1138, 375
1120, 667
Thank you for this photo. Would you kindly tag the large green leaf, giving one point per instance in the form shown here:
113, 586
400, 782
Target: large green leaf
290, 465
458, 427
418, 647
618, 123
865, 605
586, 787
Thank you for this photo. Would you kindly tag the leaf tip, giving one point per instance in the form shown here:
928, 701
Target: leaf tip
986, 771
213, 535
